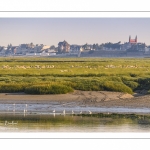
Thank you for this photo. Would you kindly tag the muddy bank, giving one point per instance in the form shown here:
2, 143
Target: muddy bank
80, 98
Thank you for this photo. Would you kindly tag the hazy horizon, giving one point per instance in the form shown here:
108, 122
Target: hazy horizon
50, 31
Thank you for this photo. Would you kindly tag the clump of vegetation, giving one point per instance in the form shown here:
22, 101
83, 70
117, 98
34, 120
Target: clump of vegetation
144, 83
116, 86
48, 89
12, 87
148, 92
86, 84
133, 85
112, 115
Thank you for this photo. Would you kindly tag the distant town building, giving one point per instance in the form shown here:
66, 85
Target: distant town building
23, 46
132, 41
134, 46
63, 47
75, 48
14, 49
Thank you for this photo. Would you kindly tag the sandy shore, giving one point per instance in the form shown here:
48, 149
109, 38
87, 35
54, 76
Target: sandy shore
81, 98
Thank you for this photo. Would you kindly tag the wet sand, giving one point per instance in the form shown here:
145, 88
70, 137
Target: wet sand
81, 98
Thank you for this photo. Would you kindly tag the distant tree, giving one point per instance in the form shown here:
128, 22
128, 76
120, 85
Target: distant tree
31, 45
100, 47
97, 46
52, 47
112, 45
10, 45
85, 46
94, 46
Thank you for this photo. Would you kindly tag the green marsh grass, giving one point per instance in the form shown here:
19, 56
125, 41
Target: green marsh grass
92, 74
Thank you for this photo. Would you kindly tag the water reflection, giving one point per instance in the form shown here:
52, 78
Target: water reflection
72, 123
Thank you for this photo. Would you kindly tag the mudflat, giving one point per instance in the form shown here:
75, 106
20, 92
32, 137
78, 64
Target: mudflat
81, 98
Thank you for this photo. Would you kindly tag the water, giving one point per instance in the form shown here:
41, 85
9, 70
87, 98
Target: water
39, 117
48, 108
69, 123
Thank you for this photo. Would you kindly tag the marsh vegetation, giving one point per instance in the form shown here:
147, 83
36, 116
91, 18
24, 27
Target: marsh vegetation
63, 75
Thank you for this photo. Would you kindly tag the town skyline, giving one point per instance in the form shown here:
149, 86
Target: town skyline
49, 31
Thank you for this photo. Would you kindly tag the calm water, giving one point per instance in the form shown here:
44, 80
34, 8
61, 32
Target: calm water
48, 108
40, 118
69, 123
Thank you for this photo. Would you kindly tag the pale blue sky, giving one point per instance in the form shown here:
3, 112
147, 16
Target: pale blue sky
50, 31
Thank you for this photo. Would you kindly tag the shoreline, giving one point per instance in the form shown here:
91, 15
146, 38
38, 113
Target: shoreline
86, 98
96, 101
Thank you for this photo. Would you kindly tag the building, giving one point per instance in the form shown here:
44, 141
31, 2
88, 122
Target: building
131, 45
63, 47
3, 50
74, 48
134, 46
133, 41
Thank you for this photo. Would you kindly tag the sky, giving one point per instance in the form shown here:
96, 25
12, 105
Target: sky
51, 31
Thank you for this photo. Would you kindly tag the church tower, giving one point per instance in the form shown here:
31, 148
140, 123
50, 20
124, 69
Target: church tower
133, 41
136, 39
